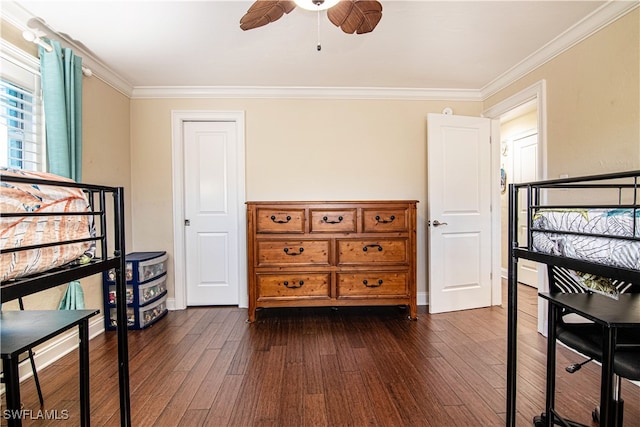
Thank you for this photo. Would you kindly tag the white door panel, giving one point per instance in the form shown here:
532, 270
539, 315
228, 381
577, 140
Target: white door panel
211, 211
212, 271
459, 152
465, 246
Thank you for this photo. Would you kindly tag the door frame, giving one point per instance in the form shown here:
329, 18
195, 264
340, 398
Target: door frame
178, 117
537, 92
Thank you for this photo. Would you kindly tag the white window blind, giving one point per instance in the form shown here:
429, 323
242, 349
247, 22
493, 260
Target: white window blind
21, 130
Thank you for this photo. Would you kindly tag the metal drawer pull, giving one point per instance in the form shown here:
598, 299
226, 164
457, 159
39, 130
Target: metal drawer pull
280, 221
326, 219
366, 248
385, 221
372, 285
286, 251
293, 285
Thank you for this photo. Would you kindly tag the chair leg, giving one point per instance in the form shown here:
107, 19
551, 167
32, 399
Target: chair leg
541, 421
618, 404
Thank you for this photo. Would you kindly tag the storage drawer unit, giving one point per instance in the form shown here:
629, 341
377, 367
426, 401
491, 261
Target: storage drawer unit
141, 294
331, 254
141, 317
142, 267
146, 290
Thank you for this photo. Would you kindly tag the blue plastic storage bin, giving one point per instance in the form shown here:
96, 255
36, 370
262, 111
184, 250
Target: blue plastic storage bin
146, 293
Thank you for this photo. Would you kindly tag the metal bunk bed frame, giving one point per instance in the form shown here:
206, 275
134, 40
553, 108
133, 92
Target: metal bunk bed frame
97, 198
534, 201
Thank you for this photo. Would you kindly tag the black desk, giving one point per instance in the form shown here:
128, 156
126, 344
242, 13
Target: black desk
21, 330
612, 315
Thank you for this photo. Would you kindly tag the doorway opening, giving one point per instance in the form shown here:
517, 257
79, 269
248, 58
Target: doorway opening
519, 162
523, 158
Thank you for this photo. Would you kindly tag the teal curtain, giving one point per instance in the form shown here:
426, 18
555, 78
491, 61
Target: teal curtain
61, 75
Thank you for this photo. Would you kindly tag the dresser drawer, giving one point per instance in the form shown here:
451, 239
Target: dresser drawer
391, 251
278, 252
373, 284
269, 220
293, 285
381, 220
333, 220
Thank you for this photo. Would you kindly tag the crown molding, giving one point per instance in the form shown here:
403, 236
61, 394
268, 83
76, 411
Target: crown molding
145, 92
598, 19
16, 15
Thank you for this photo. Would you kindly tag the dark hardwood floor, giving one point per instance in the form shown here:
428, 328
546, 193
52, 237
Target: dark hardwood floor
323, 367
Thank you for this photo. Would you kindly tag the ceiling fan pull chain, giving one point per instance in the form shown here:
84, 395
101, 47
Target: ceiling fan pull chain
319, 47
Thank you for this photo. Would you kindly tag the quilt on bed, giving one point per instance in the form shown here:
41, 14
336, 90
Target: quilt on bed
604, 222
18, 232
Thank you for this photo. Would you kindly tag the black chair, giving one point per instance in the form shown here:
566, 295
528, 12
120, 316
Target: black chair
586, 338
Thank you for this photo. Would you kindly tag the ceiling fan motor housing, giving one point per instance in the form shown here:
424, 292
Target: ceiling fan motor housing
354, 16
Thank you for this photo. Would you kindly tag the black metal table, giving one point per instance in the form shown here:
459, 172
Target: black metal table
22, 330
612, 314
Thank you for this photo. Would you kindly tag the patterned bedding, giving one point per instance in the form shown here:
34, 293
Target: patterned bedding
589, 246
24, 231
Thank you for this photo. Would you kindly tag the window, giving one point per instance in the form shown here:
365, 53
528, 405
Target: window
21, 127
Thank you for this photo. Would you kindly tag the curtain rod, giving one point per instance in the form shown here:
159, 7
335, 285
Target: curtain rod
33, 38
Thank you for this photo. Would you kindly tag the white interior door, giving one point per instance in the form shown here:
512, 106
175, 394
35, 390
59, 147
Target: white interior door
525, 169
459, 162
211, 213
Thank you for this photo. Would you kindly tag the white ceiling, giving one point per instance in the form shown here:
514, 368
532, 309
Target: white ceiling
461, 45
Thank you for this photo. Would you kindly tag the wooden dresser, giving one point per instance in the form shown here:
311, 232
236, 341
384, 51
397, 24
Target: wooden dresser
346, 253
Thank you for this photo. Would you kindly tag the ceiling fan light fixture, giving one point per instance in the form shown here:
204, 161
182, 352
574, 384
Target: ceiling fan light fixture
316, 4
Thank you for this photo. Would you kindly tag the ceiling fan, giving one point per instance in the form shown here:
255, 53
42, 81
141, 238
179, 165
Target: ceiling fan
352, 16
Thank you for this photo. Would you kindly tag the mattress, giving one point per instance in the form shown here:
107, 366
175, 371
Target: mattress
16, 232
603, 239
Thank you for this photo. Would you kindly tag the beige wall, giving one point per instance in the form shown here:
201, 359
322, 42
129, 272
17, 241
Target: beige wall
593, 102
106, 157
593, 105
295, 150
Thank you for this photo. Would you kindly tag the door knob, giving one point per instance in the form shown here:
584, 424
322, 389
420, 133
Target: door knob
437, 223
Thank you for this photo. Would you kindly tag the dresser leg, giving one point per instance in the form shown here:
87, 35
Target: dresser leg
413, 311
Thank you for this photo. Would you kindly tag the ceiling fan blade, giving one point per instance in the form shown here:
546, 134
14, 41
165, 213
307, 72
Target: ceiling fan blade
356, 16
263, 12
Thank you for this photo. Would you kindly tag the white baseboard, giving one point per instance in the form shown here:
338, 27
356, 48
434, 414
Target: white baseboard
423, 298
